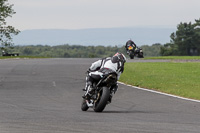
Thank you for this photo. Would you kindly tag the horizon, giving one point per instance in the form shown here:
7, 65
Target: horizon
94, 36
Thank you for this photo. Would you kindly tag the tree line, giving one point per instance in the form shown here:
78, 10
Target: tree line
78, 51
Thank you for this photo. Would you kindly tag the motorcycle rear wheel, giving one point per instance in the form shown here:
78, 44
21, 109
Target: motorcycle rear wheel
142, 56
101, 103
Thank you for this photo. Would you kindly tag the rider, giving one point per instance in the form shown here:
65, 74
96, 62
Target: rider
130, 43
98, 68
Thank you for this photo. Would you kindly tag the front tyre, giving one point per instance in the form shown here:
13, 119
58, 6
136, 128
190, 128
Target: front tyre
84, 106
131, 54
100, 104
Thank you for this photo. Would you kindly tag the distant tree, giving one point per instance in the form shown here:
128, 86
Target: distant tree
196, 36
28, 51
6, 31
167, 50
185, 41
153, 50
66, 55
183, 38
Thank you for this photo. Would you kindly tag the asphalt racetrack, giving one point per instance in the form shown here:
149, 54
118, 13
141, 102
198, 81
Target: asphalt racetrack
44, 96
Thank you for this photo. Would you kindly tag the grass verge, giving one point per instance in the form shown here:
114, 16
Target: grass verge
182, 79
175, 57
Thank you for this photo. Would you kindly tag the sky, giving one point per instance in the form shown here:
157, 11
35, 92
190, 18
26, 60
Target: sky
83, 14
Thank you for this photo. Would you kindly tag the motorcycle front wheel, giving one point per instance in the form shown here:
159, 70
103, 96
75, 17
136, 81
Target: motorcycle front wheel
101, 102
131, 54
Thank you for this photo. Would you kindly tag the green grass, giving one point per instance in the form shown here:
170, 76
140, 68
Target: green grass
182, 79
175, 57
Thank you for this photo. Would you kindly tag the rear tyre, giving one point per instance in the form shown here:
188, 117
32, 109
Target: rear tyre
84, 106
101, 103
141, 55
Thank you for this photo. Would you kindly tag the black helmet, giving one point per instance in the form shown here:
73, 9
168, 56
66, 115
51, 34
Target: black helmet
118, 57
130, 42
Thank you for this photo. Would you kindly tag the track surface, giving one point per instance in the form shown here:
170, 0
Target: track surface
44, 96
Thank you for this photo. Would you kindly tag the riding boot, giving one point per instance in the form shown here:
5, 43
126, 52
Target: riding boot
89, 89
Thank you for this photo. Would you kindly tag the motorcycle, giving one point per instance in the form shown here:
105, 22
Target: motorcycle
132, 52
102, 93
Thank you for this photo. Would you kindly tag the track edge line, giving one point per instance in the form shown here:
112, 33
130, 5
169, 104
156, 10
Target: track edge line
161, 93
